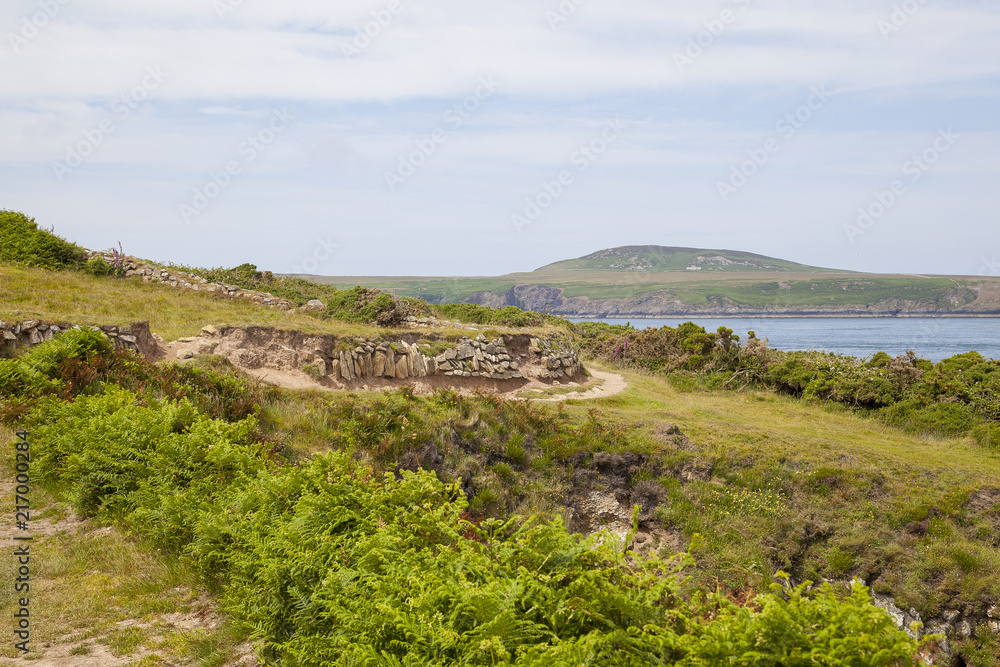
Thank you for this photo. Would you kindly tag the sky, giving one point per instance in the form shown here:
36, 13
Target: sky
447, 137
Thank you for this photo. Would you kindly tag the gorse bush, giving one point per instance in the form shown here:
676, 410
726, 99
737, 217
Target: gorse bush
361, 305
22, 242
508, 316
358, 305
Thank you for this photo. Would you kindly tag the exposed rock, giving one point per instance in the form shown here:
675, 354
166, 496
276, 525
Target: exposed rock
902, 619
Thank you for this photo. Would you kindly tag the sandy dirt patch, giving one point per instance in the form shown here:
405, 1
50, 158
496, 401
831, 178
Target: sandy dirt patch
275, 357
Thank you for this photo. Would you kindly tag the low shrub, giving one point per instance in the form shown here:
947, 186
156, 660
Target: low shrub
22, 242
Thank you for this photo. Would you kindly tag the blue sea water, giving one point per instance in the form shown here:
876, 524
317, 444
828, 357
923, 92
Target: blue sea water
933, 338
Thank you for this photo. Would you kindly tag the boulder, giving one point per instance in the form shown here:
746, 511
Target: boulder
313, 306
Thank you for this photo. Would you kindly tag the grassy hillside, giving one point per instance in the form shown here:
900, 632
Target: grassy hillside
828, 493
30, 293
656, 259
80, 298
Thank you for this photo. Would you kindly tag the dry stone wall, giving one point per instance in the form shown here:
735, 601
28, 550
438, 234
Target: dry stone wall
558, 359
29, 333
508, 357
470, 358
952, 623
151, 273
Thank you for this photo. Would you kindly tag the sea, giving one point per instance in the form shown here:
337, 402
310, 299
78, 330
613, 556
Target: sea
933, 338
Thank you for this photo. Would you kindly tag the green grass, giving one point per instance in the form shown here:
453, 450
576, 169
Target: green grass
844, 291
78, 298
661, 258
87, 581
839, 491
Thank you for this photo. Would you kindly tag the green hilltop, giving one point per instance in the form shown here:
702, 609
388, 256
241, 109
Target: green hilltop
660, 281
655, 258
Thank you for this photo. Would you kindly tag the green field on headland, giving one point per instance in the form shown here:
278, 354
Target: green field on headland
651, 281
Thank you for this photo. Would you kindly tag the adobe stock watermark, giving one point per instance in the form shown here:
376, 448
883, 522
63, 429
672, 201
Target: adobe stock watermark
363, 37
455, 117
122, 107
550, 191
901, 15
914, 169
714, 29
223, 7
248, 150
786, 128
990, 267
563, 13
322, 253
32, 25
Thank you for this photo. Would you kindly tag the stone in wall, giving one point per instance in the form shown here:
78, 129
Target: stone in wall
558, 359
401, 360
30, 333
149, 272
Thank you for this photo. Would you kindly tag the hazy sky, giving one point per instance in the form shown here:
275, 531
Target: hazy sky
447, 137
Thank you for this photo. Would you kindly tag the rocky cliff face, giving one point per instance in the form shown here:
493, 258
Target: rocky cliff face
541, 298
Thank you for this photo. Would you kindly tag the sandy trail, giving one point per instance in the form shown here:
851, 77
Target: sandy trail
613, 384
291, 378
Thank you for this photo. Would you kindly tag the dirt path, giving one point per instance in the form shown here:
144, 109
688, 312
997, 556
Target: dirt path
267, 362
613, 384
65, 651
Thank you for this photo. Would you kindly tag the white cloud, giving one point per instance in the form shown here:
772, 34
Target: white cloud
609, 59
